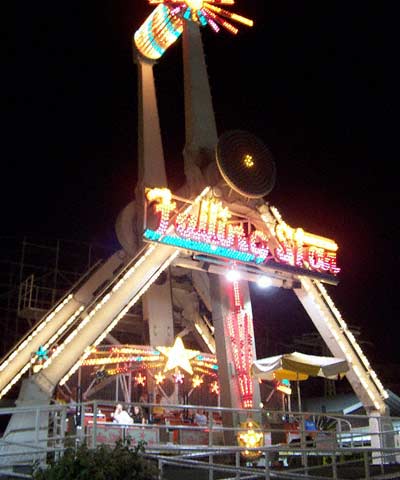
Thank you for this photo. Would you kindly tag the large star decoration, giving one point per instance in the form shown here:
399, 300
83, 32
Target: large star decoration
178, 356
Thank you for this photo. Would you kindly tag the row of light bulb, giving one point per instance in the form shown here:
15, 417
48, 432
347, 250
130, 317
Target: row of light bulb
348, 347
149, 249
344, 337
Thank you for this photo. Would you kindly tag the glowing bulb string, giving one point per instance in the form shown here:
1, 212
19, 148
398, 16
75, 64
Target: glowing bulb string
241, 342
352, 340
140, 258
154, 275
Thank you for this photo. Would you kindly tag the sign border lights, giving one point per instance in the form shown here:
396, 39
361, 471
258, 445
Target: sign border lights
211, 228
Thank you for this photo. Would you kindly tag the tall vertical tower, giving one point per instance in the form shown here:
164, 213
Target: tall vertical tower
201, 139
201, 170
157, 302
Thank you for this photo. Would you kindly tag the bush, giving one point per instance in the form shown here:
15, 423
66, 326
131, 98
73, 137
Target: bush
102, 463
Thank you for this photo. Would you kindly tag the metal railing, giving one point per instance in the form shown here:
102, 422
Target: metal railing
176, 442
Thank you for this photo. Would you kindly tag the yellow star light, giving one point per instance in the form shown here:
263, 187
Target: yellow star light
159, 378
214, 387
178, 356
197, 381
140, 379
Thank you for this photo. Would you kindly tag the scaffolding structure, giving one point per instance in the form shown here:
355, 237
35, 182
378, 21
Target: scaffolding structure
34, 275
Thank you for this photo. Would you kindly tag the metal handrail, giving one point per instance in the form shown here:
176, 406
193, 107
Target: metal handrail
191, 455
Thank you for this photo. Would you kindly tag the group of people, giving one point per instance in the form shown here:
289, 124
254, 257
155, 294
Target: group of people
155, 414
122, 417
140, 414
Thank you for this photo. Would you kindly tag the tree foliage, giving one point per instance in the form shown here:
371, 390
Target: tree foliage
120, 462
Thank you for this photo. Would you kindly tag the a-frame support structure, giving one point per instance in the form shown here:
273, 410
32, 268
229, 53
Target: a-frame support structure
89, 312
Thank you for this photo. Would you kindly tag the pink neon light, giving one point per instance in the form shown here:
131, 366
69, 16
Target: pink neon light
239, 329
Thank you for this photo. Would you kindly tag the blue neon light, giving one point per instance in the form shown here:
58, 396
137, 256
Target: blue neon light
202, 18
172, 29
189, 244
153, 42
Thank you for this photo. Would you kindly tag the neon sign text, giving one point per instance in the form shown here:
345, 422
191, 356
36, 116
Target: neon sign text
211, 228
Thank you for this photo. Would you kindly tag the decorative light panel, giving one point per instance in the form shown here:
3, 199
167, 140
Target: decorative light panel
197, 381
248, 161
178, 356
240, 334
159, 31
250, 438
205, 13
209, 227
140, 379
214, 387
159, 377
159, 363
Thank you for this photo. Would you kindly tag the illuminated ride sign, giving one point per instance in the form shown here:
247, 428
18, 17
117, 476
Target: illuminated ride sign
210, 228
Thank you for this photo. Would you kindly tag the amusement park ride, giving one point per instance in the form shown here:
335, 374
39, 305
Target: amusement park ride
219, 222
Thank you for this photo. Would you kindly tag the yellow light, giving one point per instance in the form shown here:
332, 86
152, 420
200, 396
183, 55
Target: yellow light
178, 356
159, 378
34, 333
232, 16
162, 194
214, 387
197, 381
319, 241
133, 300
140, 379
195, 4
248, 161
250, 438
346, 339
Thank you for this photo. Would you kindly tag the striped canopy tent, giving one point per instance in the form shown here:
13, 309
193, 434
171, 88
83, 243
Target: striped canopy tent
298, 366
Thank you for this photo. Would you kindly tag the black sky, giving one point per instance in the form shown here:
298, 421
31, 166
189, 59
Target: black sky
314, 80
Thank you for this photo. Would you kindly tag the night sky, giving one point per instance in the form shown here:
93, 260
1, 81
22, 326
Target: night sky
313, 80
